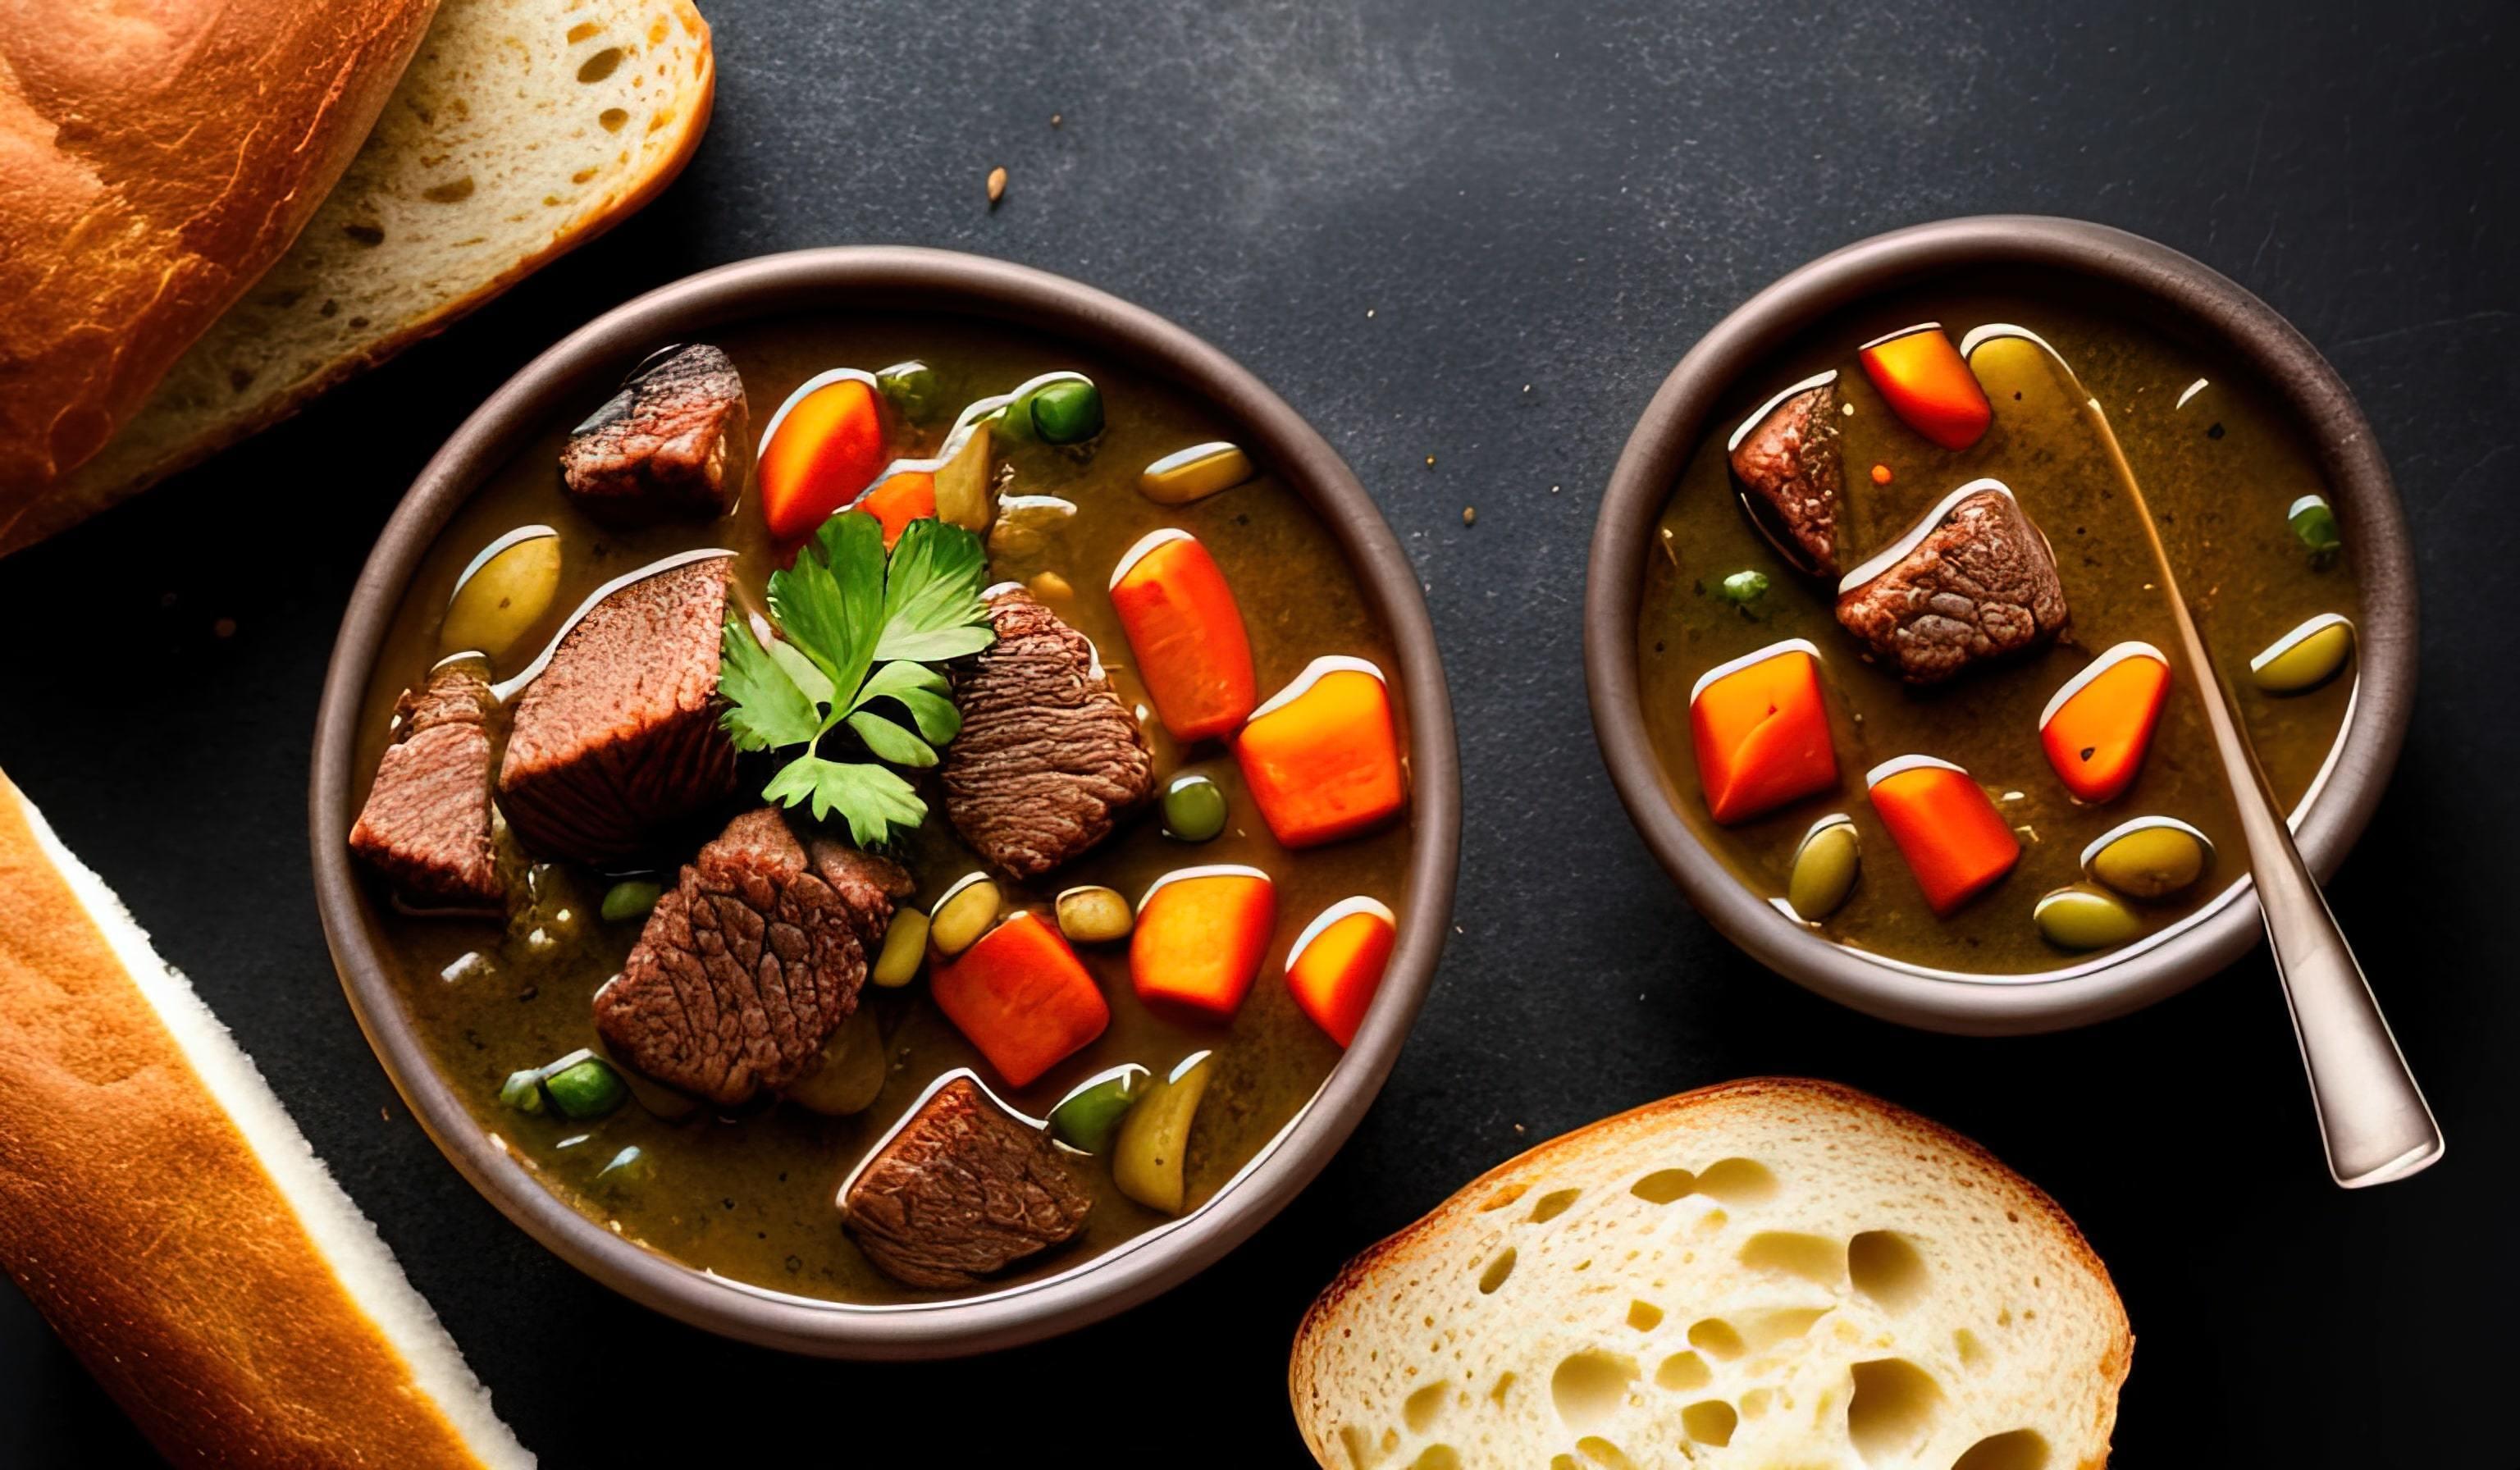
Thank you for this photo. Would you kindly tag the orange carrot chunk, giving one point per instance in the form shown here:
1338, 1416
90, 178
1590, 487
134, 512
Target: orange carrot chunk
1761, 728
1954, 840
1336, 964
1200, 937
1928, 384
1022, 996
1322, 756
2098, 726
820, 449
903, 497
1187, 633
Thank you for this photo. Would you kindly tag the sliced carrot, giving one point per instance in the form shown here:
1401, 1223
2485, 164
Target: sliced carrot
902, 497
1322, 756
2098, 726
1336, 964
1202, 934
1955, 842
1187, 633
1761, 728
1022, 996
1928, 384
820, 449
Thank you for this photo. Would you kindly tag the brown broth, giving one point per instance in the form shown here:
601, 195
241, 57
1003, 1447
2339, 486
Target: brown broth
2219, 473
752, 1198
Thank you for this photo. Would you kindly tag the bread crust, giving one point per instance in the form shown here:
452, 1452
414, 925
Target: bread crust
142, 1223
155, 164
1415, 1247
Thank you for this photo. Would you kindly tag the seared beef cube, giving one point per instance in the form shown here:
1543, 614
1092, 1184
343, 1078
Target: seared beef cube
963, 1190
1974, 580
1049, 757
669, 443
426, 822
750, 962
1787, 460
616, 744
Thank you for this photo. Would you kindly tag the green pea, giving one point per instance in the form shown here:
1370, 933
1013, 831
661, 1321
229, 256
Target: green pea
911, 386
583, 1086
1086, 1118
630, 899
2314, 525
1193, 809
1743, 588
523, 1090
1068, 411
631, 1166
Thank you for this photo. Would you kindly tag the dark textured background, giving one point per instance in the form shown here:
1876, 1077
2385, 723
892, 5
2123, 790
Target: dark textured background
1399, 219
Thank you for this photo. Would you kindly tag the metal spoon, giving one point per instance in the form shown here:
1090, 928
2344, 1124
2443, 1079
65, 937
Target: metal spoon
2373, 1118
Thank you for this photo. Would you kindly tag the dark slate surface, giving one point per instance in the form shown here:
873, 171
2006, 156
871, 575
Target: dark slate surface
1400, 220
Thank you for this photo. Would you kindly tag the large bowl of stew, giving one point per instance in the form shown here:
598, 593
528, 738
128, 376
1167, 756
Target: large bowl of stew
1875, 643
885, 804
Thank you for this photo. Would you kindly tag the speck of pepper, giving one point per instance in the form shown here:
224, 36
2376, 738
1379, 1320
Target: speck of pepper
2214, 433
730, 1204
794, 1266
529, 991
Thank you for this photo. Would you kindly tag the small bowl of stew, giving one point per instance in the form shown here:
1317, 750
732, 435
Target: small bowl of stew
885, 803
1881, 663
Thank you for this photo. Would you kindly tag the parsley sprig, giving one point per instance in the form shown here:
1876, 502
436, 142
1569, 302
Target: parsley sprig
860, 635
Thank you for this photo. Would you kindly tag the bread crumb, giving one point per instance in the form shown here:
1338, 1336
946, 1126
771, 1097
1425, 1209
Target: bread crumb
996, 186
1469, 515
1055, 120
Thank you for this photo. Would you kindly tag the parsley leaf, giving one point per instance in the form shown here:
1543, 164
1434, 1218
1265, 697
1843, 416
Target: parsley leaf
856, 627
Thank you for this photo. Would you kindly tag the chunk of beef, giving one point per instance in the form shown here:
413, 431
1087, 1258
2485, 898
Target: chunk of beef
1974, 581
1049, 757
1788, 463
962, 1192
669, 443
616, 746
426, 822
750, 962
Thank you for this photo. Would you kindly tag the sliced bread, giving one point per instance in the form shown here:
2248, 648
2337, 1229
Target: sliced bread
1770, 1275
522, 128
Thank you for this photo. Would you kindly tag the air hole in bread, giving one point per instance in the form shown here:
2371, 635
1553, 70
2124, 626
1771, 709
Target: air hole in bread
1502, 1198
1552, 1204
1359, 1446
1682, 1371
1972, 1351
2018, 1450
1602, 1451
1420, 1411
1498, 1270
1715, 1337
1503, 1386
1709, 1421
1437, 1457
1755, 1403
1664, 1185
1643, 1315
1814, 1258
1893, 1410
1564, 1462
1588, 1385
612, 118
1737, 1181
600, 66
1762, 1330
1886, 1266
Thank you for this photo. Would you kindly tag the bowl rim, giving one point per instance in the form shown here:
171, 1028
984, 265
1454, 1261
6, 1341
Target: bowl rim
895, 279
1668, 433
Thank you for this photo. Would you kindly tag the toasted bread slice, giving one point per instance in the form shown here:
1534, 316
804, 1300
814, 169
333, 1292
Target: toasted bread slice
162, 1210
522, 129
1769, 1274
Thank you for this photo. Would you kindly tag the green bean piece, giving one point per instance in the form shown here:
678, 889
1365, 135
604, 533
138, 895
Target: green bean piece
1147, 1156
1743, 588
2314, 525
583, 1087
1193, 809
912, 387
523, 1090
630, 899
1086, 1118
1068, 411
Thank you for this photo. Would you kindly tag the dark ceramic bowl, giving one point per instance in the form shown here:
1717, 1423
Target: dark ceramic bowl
2188, 296
579, 370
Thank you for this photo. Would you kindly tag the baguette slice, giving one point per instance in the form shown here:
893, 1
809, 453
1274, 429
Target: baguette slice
523, 129
163, 1211
1770, 1275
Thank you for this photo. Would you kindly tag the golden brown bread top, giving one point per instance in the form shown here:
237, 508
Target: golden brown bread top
156, 159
